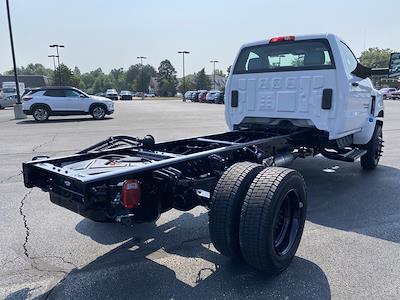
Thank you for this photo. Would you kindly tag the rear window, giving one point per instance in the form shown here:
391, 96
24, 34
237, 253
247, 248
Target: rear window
54, 93
285, 56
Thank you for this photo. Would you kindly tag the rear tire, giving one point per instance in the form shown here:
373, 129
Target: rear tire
272, 219
370, 160
98, 112
40, 113
226, 204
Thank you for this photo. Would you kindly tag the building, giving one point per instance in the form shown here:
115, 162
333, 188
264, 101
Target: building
30, 81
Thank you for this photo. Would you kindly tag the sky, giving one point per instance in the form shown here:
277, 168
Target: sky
111, 34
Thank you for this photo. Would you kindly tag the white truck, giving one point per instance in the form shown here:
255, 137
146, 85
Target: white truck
286, 98
10, 89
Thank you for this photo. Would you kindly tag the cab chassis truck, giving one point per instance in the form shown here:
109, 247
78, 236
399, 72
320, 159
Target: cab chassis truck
257, 207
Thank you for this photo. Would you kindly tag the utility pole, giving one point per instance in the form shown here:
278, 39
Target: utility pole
183, 73
141, 64
18, 113
58, 59
214, 62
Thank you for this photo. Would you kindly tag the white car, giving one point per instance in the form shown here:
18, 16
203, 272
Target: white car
210, 97
8, 101
42, 103
112, 94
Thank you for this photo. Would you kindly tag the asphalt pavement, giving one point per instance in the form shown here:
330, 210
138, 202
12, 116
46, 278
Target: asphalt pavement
350, 247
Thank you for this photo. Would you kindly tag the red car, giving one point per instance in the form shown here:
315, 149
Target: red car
202, 96
394, 95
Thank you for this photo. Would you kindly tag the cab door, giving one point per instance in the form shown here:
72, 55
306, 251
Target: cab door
359, 91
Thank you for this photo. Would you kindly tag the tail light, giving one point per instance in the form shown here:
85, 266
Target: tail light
131, 193
282, 38
26, 98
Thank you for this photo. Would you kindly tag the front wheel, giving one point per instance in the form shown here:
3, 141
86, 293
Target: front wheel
98, 112
370, 160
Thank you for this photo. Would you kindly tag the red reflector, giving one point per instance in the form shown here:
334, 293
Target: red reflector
26, 98
131, 193
282, 38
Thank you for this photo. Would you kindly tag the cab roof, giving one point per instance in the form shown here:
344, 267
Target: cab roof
297, 38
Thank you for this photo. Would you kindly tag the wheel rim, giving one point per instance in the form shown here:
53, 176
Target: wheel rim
41, 114
287, 223
98, 112
379, 146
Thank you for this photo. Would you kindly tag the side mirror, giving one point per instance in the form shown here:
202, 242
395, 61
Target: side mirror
362, 71
394, 65
82, 96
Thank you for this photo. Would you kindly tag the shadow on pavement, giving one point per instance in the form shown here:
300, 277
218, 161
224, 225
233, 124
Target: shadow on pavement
21, 294
343, 196
175, 261
59, 120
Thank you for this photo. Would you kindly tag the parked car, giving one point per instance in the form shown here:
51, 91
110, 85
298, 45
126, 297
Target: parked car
202, 96
112, 94
386, 91
126, 95
195, 96
395, 95
219, 97
8, 101
210, 97
187, 95
42, 103
150, 95
138, 94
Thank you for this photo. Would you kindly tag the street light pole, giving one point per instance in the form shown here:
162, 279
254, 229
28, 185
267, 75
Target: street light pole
183, 73
18, 113
58, 59
141, 64
214, 62
54, 61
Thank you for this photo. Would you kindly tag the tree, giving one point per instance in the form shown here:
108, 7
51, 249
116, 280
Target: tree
118, 78
375, 57
63, 76
219, 73
131, 74
32, 69
166, 78
189, 84
202, 82
142, 80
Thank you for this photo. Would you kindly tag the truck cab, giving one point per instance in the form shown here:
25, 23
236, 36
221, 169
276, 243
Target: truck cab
307, 80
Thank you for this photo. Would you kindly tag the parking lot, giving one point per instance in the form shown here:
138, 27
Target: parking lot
349, 250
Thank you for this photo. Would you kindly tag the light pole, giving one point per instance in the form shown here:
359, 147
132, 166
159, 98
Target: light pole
18, 113
58, 59
183, 52
141, 64
54, 61
214, 62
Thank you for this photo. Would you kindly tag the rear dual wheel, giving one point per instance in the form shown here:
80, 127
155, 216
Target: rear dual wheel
258, 214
